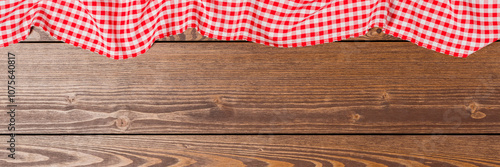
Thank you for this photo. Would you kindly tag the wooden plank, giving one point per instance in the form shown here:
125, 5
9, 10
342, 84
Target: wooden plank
264, 150
220, 87
38, 34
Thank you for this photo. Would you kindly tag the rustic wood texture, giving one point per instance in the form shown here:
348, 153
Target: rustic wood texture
38, 35
267, 150
211, 87
221, 87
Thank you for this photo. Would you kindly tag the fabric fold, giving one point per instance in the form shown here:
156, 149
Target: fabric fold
121, 29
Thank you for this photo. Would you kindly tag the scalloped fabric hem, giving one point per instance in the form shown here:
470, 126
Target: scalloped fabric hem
124, 29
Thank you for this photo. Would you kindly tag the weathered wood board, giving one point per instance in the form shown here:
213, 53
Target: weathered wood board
374, 100
256, 150
343, 87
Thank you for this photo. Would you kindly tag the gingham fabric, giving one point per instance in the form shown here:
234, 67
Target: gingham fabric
121, 29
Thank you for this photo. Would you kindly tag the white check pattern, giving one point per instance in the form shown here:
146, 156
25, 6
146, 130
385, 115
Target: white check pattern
121, 29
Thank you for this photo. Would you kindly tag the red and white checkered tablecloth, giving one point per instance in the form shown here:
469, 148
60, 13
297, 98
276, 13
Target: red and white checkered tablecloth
121, 29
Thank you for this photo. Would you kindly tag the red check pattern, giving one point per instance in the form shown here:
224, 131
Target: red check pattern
127, 28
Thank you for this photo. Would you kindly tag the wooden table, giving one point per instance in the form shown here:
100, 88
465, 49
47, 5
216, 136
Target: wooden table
374, 100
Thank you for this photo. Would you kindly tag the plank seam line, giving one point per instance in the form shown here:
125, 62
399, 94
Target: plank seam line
233, 41
261, 134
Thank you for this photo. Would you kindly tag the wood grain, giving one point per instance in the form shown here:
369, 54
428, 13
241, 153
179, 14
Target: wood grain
39, 35
350, 87
263, 150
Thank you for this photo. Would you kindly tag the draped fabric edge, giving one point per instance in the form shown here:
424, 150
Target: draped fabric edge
209, 35
24, 27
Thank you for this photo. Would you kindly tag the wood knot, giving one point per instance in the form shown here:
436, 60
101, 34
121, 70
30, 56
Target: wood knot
217, 100
473, 108
355, 117
220, 111
70, 99
385, 96
478, 115
379, 30
122, 122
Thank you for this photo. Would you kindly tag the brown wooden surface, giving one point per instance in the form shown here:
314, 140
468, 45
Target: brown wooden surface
218, 88
263, 150
37, 34
349, 87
